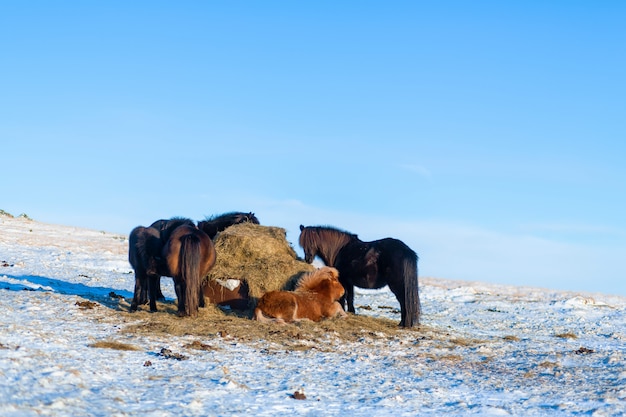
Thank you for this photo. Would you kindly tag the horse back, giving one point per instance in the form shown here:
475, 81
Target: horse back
393, 250
400, 266
144, 244
359, 264
167, 226
212, 226
374, 264
186, 233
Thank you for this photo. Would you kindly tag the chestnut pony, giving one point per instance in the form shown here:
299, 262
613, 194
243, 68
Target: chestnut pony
314, 298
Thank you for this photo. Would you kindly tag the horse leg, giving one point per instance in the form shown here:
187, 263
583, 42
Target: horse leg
259, 316
201, 297
153, 283
335, 310
141, 287
404, 285
143, 296
398, 291
159, 295
349, 297
180, 287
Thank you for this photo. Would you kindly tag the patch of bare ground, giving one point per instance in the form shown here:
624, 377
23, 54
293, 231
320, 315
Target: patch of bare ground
237, 326
111, 344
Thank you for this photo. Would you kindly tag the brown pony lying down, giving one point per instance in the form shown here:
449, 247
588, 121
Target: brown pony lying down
314, 298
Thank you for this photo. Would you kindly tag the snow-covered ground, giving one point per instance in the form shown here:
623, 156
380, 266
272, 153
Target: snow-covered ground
504, 350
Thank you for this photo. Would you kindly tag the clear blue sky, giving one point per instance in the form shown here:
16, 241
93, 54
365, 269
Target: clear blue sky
488, 136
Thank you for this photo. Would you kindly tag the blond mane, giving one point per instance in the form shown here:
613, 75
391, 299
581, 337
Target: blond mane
311, 280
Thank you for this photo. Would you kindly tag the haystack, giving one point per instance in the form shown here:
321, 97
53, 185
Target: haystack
257, 256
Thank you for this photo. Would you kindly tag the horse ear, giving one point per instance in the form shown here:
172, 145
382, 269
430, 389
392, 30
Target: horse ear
301, 228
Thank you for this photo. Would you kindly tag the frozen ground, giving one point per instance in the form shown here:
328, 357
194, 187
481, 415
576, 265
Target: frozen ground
506, 351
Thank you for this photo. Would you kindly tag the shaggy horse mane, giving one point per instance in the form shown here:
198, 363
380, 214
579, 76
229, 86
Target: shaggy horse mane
329, 230
310, 281
332, 238
235, 214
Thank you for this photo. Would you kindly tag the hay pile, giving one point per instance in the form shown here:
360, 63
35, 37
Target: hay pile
258, 255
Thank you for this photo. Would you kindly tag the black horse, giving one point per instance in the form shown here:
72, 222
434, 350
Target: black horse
215, 224
367, 265
144, 251
145, 255
186, 255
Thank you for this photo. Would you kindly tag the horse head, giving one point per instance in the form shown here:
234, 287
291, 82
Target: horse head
336, 289
308, 246
250, 217
330, 289
323, 281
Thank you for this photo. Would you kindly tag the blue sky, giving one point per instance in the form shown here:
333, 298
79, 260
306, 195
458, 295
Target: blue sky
488, 136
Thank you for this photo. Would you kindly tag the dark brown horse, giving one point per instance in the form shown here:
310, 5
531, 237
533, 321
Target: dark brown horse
144, 255
189, 254
215, 224
165, 228
186, 255
367, 265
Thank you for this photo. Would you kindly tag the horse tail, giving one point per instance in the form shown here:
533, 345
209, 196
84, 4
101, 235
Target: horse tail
190, 254
413, 308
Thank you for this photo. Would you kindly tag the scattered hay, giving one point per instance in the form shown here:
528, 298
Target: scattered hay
328, 335
198, 345
258, 255
108, 344
213, 323
86, 305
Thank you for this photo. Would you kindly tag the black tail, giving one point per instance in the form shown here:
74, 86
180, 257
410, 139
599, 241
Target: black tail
189, 270
413, 308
